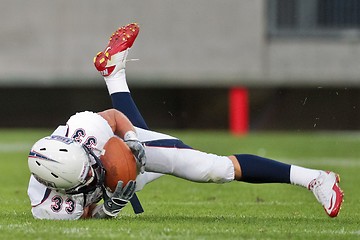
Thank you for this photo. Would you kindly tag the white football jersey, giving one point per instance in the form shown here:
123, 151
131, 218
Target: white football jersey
87, 128
90, 129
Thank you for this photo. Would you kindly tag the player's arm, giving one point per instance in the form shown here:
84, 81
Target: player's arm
118, 122
88, 211
113, 202
123, 128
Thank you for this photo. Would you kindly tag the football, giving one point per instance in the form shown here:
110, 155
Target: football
119, 163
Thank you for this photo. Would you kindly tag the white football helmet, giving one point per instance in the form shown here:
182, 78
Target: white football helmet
62, 164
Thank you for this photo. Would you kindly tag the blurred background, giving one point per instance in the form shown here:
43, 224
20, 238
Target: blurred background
299, 61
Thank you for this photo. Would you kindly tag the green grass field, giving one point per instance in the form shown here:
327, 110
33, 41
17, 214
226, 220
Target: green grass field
177, 209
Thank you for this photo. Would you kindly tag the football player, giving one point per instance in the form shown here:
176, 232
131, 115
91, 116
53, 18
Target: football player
67, 175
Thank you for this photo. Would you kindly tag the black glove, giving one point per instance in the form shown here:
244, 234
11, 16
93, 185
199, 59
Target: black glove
114, 202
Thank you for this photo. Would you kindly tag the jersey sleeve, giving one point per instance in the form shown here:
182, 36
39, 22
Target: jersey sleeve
59, 207
49, 204
90, 129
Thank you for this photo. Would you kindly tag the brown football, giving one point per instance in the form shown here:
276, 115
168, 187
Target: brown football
119, 163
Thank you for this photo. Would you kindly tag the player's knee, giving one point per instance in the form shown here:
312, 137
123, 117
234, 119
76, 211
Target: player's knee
220, 171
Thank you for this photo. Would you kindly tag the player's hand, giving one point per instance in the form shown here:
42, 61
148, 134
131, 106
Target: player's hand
114, 202
138, 151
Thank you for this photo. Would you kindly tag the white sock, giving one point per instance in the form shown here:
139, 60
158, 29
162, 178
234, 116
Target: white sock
302, 176
117, 83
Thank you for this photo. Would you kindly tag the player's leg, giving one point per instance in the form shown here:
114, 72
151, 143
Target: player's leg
324, 185
111, 64
170, 156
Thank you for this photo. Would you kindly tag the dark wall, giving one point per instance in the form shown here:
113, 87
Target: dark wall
201, 108
47, 107
306, 109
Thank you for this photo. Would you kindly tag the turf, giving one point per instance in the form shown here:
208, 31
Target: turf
177, 209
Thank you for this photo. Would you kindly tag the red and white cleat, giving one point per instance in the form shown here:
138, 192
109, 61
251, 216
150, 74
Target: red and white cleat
113, 58
327, 191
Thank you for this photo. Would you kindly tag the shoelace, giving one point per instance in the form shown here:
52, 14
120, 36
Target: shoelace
320, 194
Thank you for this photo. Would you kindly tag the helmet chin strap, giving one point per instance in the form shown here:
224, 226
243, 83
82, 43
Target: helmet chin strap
100, 174
99, 177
